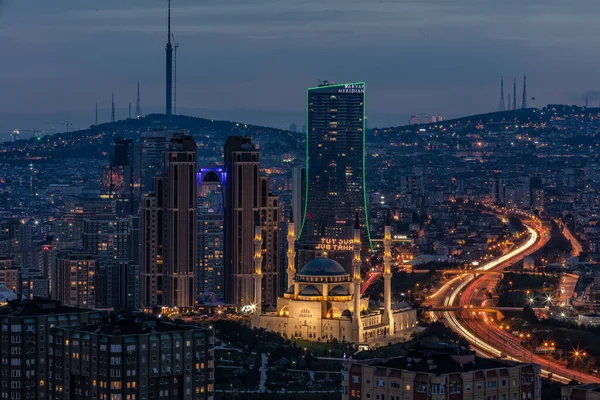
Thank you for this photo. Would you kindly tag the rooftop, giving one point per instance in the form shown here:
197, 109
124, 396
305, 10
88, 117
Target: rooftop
125, 326
591, 387
443, 362
36, 307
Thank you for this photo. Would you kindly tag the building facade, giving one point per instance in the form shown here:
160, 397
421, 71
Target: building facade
116, 242
271, 220
134, 358
75, 279
335, 168
581, 392
152, 148
117, 181
324, 303
210, 253
169, 229
9, 274
211, 220
247, 198
24, 345
431, 375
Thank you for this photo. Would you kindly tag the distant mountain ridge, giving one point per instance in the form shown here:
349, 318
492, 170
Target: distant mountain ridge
97, 139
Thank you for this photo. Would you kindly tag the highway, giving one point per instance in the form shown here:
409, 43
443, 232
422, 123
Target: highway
577, 249
482, 333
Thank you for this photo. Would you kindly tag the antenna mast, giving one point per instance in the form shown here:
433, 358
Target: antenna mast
112, 115
169, 51
96, 113
524, 91
502, 106
175, 75
138, 109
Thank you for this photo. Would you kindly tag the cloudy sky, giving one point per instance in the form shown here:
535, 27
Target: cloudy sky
252, 60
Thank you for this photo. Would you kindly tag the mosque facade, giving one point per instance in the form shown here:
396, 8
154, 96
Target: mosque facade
324, 303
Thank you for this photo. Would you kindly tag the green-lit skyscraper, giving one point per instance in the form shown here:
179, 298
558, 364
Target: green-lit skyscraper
335, 165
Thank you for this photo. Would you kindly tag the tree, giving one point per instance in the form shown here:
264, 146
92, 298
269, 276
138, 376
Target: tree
529, 315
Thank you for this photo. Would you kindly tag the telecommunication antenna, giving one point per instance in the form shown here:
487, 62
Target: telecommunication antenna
175, 75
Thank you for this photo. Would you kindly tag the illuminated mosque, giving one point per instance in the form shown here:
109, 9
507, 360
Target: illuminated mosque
324, 303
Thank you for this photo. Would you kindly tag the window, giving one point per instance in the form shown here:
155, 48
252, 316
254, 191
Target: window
479, 385
468, 387
503, 382
421, 388
491, 384
396, 385
380, 383
455, 388
368, 381
407, 388
115, 348
437, 388
355, 379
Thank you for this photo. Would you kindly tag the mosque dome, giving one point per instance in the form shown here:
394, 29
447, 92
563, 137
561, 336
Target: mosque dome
339, 290
322, 267
310, 290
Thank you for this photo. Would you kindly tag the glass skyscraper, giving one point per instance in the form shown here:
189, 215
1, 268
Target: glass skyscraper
335, 165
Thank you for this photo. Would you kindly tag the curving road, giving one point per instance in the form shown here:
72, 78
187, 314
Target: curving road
486, 336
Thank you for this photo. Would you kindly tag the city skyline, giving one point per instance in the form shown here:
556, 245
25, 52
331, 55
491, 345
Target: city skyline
452, 252
215, 38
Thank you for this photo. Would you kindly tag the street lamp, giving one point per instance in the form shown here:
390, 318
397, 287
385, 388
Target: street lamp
579, 355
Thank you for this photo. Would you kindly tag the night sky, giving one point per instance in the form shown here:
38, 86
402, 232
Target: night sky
252, 60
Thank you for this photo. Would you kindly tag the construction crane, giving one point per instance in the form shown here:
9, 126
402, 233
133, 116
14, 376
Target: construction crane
175, 75
67, 124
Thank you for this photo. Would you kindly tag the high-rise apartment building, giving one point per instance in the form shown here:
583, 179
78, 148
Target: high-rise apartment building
169, 229
116, 242
131, 358
36, 280
117, 181
271, 222
152, 148
210, 252
9, 274
335, 169
26, 331
210, 232
247, 198
412, 184
75, 279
